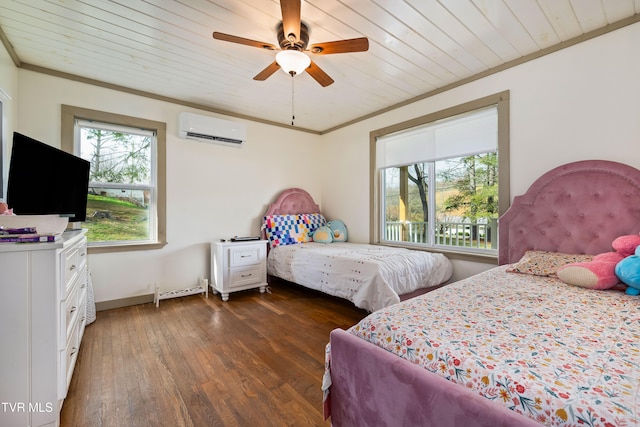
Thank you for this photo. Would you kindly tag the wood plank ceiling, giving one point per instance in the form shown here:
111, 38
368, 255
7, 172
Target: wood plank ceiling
165, 48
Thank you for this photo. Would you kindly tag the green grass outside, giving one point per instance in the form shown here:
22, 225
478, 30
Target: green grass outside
127, 222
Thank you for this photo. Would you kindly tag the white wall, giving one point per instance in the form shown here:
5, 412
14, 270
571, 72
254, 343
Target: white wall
213, 191
8, 96
579, 103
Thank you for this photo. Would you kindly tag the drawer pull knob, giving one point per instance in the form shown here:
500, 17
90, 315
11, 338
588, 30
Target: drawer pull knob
246, 275
73, 309
73, 267
73, 351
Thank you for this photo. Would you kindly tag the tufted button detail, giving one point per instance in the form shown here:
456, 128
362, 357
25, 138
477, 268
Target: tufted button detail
568, 233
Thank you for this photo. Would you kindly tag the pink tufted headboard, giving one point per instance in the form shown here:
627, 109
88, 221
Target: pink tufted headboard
579, 207
292, 201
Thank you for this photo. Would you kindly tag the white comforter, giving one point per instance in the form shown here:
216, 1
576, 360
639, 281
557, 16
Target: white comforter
370, 276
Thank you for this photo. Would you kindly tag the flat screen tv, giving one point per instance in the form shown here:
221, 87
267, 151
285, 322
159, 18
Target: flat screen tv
45, 180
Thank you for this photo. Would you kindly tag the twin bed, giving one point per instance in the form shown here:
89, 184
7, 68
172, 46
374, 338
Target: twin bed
506, 348
370, 276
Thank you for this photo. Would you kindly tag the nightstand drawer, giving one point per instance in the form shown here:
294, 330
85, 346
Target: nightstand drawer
245, 276
242, 256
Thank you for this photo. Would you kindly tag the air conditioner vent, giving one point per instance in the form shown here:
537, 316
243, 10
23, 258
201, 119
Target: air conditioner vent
213, 138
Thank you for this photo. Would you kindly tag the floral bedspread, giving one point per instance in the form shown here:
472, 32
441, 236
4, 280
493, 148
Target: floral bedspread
559, 354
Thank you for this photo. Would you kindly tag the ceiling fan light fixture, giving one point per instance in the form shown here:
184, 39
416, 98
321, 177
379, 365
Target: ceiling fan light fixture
293, 61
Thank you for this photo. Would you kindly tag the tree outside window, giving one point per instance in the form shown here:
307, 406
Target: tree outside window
120, 182
465, 201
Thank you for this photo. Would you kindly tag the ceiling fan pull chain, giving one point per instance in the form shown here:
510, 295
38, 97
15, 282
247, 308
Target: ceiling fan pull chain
293, 112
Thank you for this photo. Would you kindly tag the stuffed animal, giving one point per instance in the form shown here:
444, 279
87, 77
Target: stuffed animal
323, 234
4, 209
338, 230
600, 272
334, 231
628, 270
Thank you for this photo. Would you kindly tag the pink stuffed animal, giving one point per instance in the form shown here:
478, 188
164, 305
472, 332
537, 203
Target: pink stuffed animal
599, 273
4, 209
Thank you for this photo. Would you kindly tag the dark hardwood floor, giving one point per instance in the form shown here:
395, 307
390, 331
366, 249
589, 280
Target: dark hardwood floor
255, 360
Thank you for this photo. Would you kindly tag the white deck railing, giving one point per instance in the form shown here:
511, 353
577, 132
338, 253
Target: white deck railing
469, 235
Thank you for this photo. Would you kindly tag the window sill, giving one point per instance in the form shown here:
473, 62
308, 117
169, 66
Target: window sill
123, 247
486, 258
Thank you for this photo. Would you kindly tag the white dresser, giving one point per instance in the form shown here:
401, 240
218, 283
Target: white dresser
43, 294
236, 266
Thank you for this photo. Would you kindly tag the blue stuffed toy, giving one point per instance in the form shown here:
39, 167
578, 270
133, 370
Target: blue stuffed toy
334, 231
628, 271
338, 230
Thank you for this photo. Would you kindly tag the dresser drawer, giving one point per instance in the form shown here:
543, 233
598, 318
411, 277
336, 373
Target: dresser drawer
83, 282
242, 256
71, 354
82, 319
75, 259
71, 307
245, 276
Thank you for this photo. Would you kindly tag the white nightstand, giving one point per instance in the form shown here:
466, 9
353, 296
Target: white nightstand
236, 266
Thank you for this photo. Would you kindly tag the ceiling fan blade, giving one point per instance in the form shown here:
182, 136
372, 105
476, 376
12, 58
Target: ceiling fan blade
267, 72
242, 40
341, 46
319, 75
291, 19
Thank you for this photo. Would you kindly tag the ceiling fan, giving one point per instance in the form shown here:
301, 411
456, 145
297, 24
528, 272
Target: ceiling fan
293, 38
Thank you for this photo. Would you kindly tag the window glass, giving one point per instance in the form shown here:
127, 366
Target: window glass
121, 201
440, 183
466, 208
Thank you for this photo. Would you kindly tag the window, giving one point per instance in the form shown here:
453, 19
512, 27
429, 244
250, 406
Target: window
125, 207
438, 179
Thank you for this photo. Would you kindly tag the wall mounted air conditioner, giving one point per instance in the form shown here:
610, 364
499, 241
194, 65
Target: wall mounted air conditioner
210, 129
